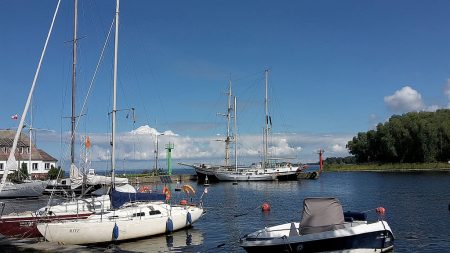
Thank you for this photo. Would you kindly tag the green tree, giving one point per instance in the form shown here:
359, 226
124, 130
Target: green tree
54, 172
20, 174
412, 137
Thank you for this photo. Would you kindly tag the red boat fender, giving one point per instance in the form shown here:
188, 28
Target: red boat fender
380, 210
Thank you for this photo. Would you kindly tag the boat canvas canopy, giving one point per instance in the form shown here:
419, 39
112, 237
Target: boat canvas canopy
321, 214
76, 178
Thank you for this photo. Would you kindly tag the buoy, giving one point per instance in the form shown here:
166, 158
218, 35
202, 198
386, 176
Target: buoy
169, 226
115, 232
265, 207
189, 218
183, 202
380, 210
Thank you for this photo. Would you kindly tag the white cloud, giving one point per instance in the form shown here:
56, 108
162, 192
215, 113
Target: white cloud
147, 130
407, 99
140, 144
404, 100
338, 148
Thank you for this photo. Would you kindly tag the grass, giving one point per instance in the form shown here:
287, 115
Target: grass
390, 167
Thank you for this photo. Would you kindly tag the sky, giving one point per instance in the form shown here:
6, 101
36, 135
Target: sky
336, 68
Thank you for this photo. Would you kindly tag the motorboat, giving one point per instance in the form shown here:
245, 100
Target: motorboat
324, 227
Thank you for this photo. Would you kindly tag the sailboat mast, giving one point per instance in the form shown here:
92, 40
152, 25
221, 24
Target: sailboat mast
235, 136
30, 129
266, 130
228, 139
113, 148
74, 79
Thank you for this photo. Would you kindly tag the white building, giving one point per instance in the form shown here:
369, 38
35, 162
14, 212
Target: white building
41, 162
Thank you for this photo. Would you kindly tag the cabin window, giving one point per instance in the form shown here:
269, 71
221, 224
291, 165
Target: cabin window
35, 166
138, 214
153, 212
47, 166
1, 166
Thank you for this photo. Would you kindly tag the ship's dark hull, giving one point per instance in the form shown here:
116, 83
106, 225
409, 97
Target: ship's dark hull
25, 226
373, 242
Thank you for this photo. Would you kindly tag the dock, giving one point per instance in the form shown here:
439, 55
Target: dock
155, 179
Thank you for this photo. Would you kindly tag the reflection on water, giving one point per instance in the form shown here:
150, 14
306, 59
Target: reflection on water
416, 205
179, 241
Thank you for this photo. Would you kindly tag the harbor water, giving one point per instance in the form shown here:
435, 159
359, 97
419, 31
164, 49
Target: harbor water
417, 209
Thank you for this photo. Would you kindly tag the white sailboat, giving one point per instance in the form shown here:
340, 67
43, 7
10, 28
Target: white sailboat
129, 221
270, 165
207, 171
23, 225
243, 173
28, 188
268, 169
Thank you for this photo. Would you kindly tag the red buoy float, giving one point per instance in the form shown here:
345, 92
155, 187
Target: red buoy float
265, 207
380, 210
183, 202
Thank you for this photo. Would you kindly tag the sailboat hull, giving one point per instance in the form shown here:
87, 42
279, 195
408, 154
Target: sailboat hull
25, 226
374, 237
131, 223
31, 189
226, 176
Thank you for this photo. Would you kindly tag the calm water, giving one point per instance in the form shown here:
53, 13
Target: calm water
416, 209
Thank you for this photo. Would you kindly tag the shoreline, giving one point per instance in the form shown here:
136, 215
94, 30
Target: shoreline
389, 167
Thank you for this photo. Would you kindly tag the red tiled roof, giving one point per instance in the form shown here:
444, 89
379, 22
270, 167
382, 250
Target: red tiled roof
6, 141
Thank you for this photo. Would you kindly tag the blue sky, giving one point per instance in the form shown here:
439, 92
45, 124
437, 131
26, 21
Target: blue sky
336, 68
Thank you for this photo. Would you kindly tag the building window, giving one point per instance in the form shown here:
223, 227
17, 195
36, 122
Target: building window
21, 150
47, 166
1, 166
35, 166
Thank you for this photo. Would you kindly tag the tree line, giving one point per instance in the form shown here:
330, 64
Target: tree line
414, 137
340, 160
